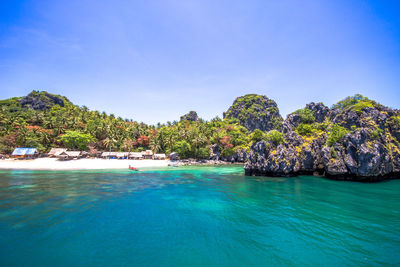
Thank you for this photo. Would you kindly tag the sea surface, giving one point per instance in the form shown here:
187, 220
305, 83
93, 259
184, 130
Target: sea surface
195, 216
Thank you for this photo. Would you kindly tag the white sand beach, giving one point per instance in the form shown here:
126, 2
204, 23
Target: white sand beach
79, 164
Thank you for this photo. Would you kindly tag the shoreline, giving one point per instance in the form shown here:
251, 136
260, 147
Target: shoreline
79, 164
100, 164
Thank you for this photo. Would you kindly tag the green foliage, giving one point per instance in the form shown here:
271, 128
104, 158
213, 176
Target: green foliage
306, 129
376, 133
227, 152
395, 120
350, 101
358, 107
333, 153
12, 102
356, 103
275, 137
76, 140
306, 115
183, 148
47, 127
257, 136
203, 153
336, 134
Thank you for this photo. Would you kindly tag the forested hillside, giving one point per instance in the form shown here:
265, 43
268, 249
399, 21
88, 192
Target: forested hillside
45, 120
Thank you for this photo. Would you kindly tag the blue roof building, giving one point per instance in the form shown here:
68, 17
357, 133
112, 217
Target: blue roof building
24, 151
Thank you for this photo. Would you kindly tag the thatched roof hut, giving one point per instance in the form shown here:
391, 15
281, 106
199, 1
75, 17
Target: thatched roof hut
160, 156
148, 154
108, 154
135, 155
122, 155
54, 152
70, 155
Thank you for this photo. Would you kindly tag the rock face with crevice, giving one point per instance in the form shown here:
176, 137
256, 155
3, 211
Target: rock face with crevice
356, 140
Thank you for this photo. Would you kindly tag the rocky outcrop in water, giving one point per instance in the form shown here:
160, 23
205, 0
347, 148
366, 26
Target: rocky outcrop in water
255, 112
357, 139
240, 155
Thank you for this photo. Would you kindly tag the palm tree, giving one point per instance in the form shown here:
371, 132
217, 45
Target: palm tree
109, 142
154, 146
129, 144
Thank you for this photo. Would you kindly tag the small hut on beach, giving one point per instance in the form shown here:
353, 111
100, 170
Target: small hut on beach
148, 154
54, 152
25, 153
122, 155
66, 155
109, 155
160, 156
135, 155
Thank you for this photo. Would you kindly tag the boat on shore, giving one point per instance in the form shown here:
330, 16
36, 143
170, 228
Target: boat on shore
132, 168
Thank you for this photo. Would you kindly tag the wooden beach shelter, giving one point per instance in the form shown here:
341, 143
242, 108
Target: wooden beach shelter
135, 155
66, 155
54, 152
148, 154
109, 155
160, 156
122, 155
24, 153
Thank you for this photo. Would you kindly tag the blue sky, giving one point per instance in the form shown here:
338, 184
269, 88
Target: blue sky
156, 60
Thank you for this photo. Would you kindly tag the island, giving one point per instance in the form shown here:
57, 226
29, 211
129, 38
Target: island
356, 139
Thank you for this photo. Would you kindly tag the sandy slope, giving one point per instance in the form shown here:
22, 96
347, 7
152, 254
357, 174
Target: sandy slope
79, 164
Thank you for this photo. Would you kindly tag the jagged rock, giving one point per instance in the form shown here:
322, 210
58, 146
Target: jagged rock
333, 163
241, 155
41, 100
215, 152
365, 156
368, 151
319, 110
255, 112
191, 116
174, 156
292, 121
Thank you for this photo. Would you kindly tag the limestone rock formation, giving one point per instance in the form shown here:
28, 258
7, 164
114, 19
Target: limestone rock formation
357, 139
255, 112
41, 100
191, 116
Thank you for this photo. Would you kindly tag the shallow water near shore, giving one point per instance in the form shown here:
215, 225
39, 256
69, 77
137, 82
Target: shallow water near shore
194, 216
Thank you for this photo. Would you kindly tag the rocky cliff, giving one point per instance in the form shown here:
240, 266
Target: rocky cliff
41, 100
191, 116
255, 112
356, 139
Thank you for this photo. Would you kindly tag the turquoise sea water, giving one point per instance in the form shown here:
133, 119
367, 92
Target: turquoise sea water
195, 216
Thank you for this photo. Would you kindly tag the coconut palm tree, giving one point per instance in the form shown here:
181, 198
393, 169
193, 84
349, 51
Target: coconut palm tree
109, 142
129, 144
154, 146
